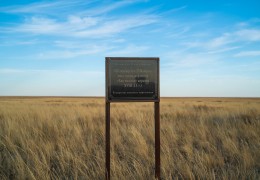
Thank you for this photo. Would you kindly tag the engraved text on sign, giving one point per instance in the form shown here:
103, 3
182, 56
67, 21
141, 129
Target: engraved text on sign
133, 79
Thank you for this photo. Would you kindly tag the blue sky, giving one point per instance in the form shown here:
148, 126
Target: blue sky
58, 48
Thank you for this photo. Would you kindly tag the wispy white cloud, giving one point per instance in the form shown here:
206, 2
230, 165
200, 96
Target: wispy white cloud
38, 25
221, 50
248, 35
10, 71
174, 10
129, 50
73, 52
48, 71
120, 40
70, 44
195, 60
88, 19
78, 7
226, 42
248, 23
18, 42
88, 27
247, 54
183, 59
219, 41
46, 7
116, 26
105, 8
82, 22
75, 49
179, 33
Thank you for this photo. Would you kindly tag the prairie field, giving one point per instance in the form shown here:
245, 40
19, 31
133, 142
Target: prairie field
64, 138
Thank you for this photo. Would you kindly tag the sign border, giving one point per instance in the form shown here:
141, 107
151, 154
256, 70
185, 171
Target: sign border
108, 59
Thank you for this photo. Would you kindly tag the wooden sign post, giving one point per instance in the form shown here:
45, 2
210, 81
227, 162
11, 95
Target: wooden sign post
133, 80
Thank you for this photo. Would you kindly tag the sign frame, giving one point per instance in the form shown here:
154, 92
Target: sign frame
142, 99
156, 114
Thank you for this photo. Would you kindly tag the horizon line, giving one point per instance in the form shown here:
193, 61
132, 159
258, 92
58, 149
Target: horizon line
45, 96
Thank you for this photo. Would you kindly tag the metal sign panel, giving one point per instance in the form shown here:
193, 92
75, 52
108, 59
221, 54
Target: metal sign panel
132, 79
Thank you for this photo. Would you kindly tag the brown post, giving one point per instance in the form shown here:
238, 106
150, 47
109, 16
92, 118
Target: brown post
107, 141
157, 140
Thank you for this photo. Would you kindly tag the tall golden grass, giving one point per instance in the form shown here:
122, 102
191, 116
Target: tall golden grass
64, 138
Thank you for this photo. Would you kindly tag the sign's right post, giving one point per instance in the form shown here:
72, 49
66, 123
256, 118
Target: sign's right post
157, 139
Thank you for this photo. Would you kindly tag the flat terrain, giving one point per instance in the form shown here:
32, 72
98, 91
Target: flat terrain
63, 138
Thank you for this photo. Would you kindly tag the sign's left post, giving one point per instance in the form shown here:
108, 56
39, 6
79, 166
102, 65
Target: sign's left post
107, 119
107, 140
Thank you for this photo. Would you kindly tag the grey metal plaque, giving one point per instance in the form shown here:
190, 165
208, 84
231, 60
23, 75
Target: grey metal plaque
132, 79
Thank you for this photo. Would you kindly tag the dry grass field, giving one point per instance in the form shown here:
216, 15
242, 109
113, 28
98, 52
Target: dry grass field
63, 138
